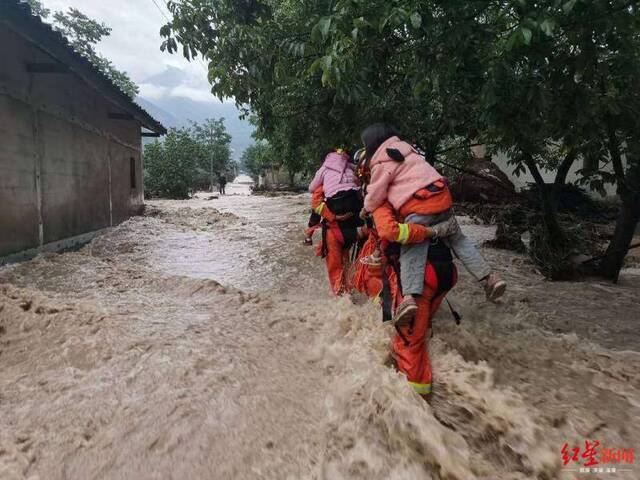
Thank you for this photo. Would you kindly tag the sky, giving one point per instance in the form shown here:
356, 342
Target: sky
134, 46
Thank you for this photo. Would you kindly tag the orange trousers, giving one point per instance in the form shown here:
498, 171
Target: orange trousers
337, 261
411, 348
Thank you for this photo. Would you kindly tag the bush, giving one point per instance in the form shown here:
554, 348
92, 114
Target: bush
556, 259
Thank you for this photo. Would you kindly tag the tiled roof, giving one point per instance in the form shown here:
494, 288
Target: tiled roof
20, 17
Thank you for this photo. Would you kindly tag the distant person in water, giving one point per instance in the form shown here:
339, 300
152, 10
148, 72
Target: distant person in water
222, 183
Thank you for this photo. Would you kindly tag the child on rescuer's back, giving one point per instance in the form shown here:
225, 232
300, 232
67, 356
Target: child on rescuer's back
420, 195
337, 178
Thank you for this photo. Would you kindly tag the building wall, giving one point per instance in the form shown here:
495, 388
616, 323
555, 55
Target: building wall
520, 182
65, 167
18, 206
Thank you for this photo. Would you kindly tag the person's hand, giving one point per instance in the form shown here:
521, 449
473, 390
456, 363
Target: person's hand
363, 214
344, 216
421, 233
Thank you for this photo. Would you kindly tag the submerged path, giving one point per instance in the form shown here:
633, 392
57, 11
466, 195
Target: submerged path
200, 341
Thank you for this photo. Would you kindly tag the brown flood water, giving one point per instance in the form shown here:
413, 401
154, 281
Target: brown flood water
200, 342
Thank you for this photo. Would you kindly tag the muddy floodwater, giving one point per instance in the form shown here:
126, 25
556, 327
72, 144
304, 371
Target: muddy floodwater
200, 342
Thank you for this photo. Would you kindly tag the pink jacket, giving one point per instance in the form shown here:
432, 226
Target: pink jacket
335, 175
397, 181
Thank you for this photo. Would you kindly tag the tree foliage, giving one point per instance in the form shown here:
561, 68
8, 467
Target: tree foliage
257, 159
551, 82
215, 158
188, 159
171, 165
84, 34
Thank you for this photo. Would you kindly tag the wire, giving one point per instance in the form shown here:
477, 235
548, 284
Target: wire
160, 10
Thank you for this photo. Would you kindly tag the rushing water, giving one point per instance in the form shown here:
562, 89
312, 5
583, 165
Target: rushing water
200, 341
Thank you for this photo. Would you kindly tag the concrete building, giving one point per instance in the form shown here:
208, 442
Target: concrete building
70, 141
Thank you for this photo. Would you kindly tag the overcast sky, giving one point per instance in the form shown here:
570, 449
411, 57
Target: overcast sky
134, 45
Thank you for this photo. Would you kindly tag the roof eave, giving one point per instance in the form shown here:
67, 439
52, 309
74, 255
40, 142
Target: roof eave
18, 16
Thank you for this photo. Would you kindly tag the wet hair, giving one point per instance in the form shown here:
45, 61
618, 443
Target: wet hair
375, 135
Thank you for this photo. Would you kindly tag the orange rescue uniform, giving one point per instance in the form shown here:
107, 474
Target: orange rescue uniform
410, 344
337, 259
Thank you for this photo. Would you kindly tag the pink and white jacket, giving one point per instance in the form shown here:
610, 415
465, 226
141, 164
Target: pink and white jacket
335, 175
397, 181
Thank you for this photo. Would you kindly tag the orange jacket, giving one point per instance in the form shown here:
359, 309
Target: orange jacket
424, 202
390, 229
320, 207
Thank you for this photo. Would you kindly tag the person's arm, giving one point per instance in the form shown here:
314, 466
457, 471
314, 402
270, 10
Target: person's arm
317, 180
320, 207
390, 229
378, 187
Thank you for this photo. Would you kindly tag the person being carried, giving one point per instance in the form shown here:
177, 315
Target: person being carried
337, 179
336, 199
415, 189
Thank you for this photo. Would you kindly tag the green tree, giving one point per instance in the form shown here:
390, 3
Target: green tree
563, 88
257, 159
171, 165
215, 143
188, 159
550, 82
84, 34
38, 9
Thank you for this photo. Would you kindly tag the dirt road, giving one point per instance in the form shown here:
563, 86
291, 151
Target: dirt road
201, 342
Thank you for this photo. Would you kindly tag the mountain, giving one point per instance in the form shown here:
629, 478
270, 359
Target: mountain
167, 119
174, 109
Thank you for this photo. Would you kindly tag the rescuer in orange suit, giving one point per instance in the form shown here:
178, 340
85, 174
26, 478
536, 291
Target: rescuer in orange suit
339, 234
410, 342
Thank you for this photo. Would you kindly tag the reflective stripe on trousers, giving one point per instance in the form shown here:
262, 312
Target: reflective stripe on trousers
421, 388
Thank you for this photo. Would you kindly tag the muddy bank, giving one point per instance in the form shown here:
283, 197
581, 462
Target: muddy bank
175, 348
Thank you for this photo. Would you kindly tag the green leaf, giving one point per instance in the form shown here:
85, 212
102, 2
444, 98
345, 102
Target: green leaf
547, 27
568, 6
360, 22
384, 23
526, 35
513, 41
420, 87
315, 66
315, 34
416, 20
324, 25
325, 77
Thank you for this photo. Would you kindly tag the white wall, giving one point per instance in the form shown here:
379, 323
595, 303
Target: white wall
502, 161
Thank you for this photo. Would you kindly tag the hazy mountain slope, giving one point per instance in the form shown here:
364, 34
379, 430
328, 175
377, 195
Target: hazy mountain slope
167, 119
176, 109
